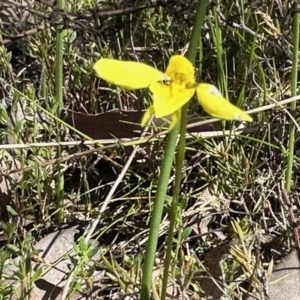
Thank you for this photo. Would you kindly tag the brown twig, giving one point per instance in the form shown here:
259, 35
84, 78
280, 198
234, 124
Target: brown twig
59, 17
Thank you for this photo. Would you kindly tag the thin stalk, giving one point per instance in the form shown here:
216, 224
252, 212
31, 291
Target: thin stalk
59, 63
191, 55
217, 34
59, 100
157, 211
292, 127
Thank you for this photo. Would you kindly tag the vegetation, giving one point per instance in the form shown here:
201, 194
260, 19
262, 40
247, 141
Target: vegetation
239, 189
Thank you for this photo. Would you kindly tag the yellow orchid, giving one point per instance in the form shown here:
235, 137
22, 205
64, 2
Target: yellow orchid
168, 97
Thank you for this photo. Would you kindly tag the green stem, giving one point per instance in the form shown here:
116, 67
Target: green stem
191, 55
294, 82
59, 102
157, 213
59, 64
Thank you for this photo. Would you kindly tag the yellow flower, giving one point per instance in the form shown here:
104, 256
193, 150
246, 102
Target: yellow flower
168, 98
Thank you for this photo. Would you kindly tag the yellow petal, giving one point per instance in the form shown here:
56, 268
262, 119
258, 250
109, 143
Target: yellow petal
167, 99
127, 74
217, 106
180, 70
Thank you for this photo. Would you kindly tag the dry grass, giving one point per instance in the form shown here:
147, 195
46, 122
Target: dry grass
233, 185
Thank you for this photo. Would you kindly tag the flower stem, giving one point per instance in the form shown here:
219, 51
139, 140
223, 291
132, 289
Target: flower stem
157, 213
191, 55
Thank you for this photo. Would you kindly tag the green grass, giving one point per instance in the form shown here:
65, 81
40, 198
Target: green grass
231, 184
